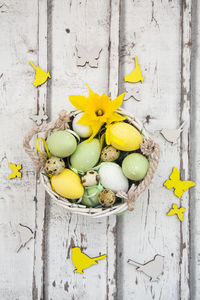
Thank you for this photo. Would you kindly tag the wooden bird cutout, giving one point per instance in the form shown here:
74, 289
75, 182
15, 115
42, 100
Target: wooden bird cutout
153, 268
179, 186
135, 75
89, 56
172, 135
15, 171
38, 119
82, 261
40, 76
177, 211
25, 235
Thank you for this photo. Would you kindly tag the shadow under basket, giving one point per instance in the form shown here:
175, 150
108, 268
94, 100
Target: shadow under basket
149, 148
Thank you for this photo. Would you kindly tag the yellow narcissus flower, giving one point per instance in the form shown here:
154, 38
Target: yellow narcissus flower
98, 110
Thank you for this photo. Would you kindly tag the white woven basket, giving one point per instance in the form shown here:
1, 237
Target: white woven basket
127, 203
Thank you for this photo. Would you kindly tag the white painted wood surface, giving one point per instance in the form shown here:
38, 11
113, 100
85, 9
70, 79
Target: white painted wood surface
46, 32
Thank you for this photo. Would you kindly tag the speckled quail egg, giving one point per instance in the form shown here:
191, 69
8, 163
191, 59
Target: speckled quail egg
107, 198
109, 153
90, 178
54, 165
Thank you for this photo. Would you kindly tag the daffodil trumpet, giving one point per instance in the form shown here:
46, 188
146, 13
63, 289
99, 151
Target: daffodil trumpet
98, 110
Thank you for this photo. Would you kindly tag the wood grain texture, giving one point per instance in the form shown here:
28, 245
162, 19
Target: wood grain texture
151, 30
18, 45
47, 32
39, 243
88, 24
185, 146
195, 155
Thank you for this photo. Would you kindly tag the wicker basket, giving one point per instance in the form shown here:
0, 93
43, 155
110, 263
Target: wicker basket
152, 152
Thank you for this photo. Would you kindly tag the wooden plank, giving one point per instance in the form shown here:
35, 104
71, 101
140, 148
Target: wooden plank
88, 24
17, 101
151, 30
195, 155
185, 108
39, 245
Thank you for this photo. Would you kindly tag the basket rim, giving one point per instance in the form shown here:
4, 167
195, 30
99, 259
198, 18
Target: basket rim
80, 208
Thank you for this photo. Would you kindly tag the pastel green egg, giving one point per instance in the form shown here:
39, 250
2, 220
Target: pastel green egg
135, 166
61, 143
90, 196
86, 155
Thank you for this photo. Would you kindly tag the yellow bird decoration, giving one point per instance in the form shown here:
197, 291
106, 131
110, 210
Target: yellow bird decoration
135, 75
179, 186
177, 211
15, 171
40, 76
82, 261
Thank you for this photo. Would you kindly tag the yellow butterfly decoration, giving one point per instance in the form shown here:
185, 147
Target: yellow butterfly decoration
179, 186
177, 211
135, 75
40, 76
15, 171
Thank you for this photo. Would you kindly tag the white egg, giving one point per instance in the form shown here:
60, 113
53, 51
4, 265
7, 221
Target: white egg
83, 131
112, 177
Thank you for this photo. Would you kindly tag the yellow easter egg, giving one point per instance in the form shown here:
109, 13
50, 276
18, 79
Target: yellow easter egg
67, 184
125, 137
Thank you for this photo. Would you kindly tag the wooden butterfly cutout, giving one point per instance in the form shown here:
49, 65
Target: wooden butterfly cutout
15, 171
177, 211
38, 119
129, 94
179, 186
89, 56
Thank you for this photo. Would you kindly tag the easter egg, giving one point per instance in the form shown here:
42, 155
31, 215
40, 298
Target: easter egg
54, 165
112, 177
67, 184
90, 196
109, 153
86, 155
61, 143
107, 198
83, 131
125, 137
135, 166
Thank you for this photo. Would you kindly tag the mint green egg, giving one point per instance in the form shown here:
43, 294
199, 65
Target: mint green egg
86, 155
135, 166
90, 196
61, 143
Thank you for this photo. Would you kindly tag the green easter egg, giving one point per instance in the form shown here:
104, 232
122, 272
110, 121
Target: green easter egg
135, 166
90, 196
86, 155
61, 143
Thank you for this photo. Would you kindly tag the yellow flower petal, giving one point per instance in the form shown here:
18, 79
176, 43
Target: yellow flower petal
91, 93
108, 135
84, 120
116, 103
95, 129
115, 117
80, 102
